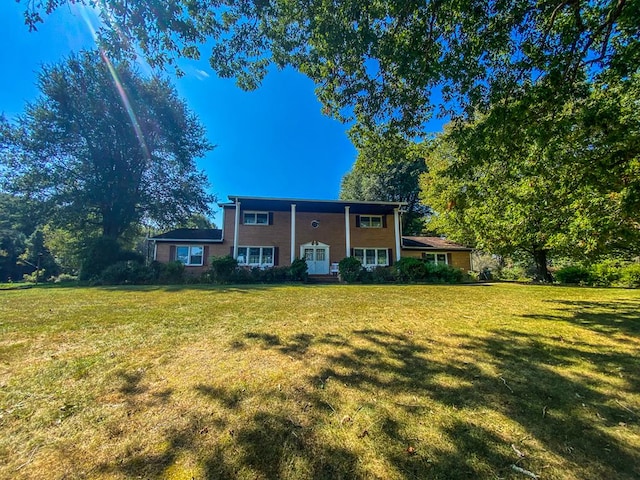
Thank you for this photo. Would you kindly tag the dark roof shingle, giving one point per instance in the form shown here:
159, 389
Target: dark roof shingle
431, 243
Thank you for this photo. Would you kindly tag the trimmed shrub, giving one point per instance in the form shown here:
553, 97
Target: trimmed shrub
222, 269
276, 274
378, 275
168, 273
296, 272
350, 269
443, 273
241, 275
299, 271
473, 276
411, 269
573, 274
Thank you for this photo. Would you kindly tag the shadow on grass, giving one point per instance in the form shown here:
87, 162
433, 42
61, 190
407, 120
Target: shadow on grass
604, 317
568, 397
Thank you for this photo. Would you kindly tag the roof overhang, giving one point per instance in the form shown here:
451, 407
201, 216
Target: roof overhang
190, 235
187, 240
319, 206
432, 244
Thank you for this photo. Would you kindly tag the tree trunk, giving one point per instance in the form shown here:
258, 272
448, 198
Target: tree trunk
542, 272
110, 227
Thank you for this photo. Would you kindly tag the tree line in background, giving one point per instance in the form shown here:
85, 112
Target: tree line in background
541, 158
103, 151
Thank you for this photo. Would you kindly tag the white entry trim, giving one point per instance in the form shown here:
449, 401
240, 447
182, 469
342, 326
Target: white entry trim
316, 267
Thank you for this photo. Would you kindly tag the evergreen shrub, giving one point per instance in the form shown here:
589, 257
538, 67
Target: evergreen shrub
299, 271
222, 269
350, 269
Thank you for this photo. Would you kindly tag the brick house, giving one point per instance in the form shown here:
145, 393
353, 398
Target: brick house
266, 232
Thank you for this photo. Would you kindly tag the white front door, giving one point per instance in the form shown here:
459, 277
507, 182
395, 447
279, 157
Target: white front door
317, 258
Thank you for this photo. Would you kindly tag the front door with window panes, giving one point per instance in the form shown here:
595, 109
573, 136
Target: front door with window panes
317, 258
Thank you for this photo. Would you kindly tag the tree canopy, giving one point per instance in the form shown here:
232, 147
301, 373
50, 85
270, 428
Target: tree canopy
382, 60
105, 147
560, 180
388, 168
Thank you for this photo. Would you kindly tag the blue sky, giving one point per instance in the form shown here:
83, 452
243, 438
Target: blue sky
272, 142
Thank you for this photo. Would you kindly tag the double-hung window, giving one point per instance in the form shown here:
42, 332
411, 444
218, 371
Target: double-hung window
255, 218
437, 258
255, 256
371, 221
190, 255
372, 257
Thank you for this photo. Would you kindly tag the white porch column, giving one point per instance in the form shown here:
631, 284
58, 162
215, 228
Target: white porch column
396, 223
293, 232
235, 230
347, 229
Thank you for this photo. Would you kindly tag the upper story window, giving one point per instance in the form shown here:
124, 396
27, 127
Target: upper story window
371, 221
190, 255
255, 218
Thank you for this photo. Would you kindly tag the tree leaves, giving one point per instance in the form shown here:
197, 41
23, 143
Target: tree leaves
381, 60
107, 147
562, 178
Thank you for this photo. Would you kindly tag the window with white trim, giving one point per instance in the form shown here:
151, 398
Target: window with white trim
255, 218
192, 256
256, 256
437, 258
372, 257
371, 221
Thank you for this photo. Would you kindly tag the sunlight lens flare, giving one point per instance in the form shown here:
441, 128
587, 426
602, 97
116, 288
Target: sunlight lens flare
90, 18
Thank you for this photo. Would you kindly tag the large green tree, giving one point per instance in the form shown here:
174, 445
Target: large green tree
561, 180
106, 148
381, 60
388, 168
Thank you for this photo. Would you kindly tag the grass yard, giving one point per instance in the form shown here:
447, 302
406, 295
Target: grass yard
320, 382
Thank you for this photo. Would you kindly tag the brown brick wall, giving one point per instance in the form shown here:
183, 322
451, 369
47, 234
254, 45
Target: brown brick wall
164, 250
373, 237
331, 231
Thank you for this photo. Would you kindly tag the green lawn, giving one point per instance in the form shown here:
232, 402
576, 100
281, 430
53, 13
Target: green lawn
320, 382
